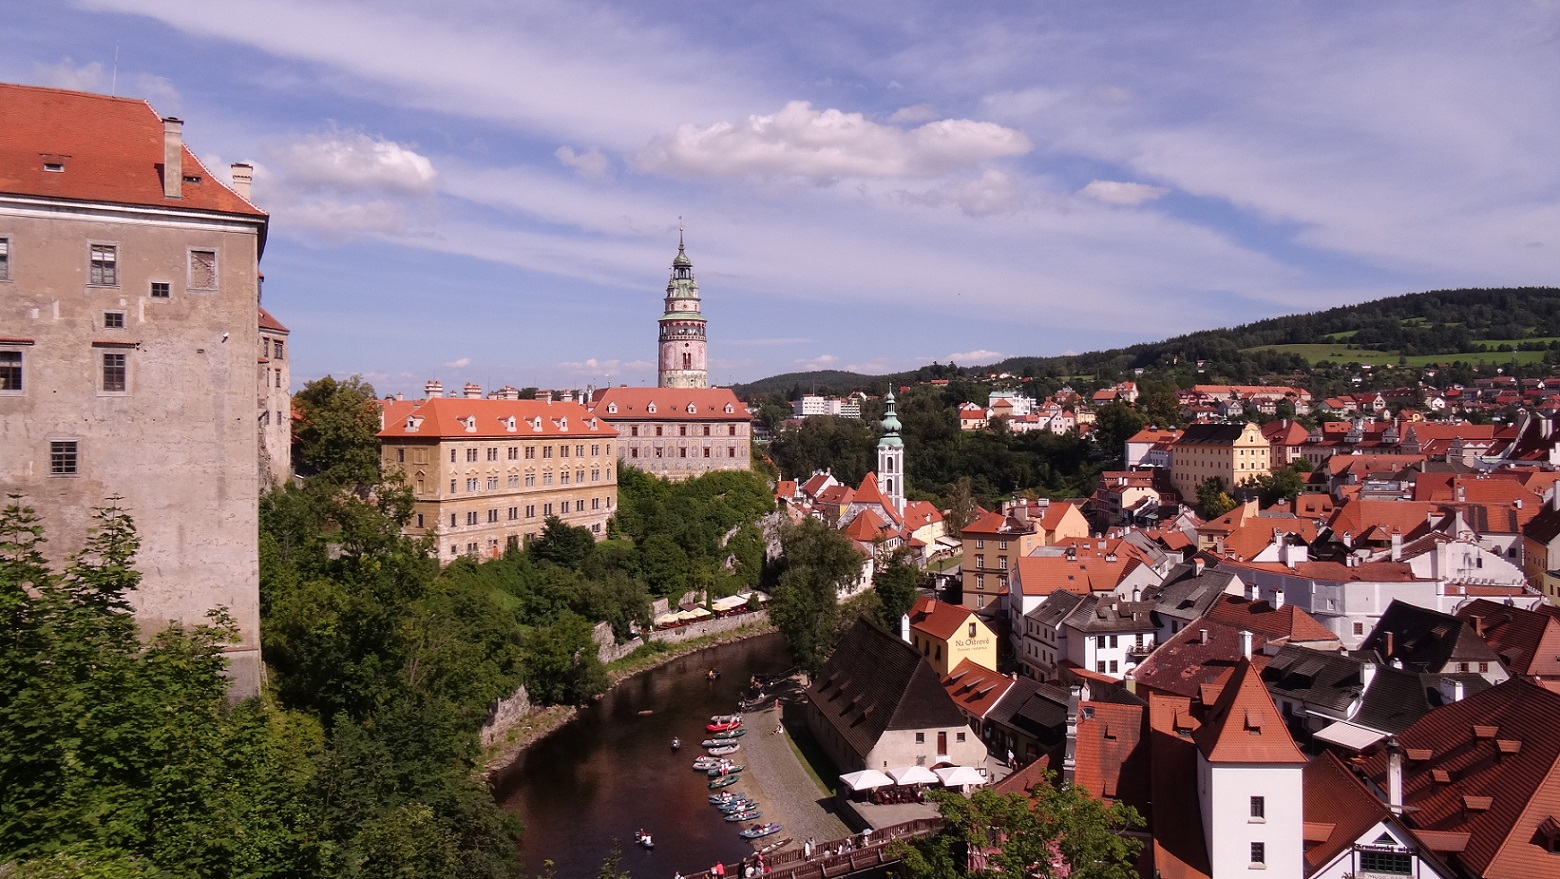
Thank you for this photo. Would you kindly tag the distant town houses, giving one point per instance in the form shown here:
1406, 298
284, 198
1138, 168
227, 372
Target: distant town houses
811, 405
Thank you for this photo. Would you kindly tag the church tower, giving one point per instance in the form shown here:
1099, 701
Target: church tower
891, 459
682, 362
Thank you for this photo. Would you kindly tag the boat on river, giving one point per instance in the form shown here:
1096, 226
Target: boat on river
736, 733
737, 805
759, 831
727, 768
721, 749
644, 839
724, 781
706, 763
722, 726
746, 815
779, 843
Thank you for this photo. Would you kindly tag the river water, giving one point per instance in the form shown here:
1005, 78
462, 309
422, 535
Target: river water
611, 771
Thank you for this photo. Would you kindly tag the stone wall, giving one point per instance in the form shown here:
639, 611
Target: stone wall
504, 714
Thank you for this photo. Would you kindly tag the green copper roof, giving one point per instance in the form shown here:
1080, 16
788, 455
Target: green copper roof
681, 260
890, 424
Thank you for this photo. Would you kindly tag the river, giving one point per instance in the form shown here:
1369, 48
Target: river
611, 771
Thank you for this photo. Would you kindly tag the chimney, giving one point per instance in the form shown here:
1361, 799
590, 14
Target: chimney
399, 396
1394, 776
1388, 643
1245, 644
433, 389
904, 627
173, 156
1278, 599
1451, 690
1021, 512
1070, 755
1367, 675
243, 175
1397, 545
472, 391
1202, 636
1197, 567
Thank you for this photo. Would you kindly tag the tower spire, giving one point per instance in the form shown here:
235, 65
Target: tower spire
891, 457
682, 361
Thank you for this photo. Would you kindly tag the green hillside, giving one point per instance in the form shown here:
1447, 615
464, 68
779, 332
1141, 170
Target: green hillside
1498, 326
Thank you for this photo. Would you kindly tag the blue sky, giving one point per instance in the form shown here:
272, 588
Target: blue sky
489, 191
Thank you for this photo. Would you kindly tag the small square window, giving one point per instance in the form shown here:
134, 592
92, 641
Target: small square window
1259, 853
5, 259
62, 458
920, 738
114, 320
1258, 807
161, 289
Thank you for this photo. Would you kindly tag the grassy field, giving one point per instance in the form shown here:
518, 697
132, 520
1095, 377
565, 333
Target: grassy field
1341, 353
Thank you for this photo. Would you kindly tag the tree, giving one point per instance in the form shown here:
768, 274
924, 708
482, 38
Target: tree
817, 563
1283, 484
337, 431
895, 583
1056, 831
1212, 500
961, 506
564, 545
1114, 424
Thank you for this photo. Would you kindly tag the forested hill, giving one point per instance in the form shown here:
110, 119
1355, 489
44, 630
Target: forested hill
1435, 324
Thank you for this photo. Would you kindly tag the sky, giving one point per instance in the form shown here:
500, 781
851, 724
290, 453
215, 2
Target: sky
491, 191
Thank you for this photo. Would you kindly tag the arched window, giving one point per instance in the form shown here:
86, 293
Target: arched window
687, 361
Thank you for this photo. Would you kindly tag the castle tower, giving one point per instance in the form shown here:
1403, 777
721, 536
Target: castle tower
682, 361
891, 458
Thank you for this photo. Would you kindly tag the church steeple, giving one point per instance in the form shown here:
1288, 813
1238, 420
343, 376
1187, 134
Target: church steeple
683, 353
891, 457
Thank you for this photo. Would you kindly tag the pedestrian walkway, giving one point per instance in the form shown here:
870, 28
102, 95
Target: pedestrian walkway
787, 793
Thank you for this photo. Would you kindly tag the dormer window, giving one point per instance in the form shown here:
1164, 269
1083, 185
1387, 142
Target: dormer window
650, 408
563, 424
692, 409
536, 423
509, 424
413, 422
57, 167
729, 409
611, 408
470, 423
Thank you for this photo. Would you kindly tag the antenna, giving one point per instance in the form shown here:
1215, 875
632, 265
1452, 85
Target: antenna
113, 88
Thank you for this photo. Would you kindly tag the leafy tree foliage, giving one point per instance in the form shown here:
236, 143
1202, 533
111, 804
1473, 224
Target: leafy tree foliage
1056, 831
895, 583
1285, 484
817, 564
1212, 500
697, 534
337, 431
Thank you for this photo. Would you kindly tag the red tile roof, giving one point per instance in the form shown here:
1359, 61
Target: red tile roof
1179, 849
1523, 787
670, 404
1187, 665
975, 688
1244, 725
267, 322
1286, 623
446, 418
1112, 755
938, 618
1527, 641
111, 150
1340, 805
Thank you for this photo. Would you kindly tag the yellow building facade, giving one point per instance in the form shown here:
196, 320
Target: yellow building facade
1234, 453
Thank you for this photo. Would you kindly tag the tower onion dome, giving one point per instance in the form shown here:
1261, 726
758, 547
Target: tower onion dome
681, 260
890, 424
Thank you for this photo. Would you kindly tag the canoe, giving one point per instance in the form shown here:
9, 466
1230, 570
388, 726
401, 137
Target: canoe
726, 718
759, 831
737, 806
737, 733
731, 769
721, 727
724, 748
718, 783
749, 815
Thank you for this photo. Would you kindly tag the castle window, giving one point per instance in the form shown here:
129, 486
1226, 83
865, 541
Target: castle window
10, 372
63, 458
5, 259
161, 290
105, 266
115, 373
203, 270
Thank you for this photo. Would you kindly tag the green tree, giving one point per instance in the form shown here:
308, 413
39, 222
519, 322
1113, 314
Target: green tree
1283, 484
337, 430
817, 563
1212, 500
1054, 832
895, 582
564, 545
961, 506
1114, 424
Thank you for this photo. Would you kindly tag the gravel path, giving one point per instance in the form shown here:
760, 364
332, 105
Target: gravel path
786, 793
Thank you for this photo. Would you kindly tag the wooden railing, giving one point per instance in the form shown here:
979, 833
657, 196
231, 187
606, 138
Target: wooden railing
840, 857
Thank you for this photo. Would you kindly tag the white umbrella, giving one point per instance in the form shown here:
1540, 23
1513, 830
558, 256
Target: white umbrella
866, 779
913, 775
958, 776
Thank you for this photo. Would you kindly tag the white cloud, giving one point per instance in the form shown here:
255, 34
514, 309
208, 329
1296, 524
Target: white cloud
591, 164
1124, 194
340, 221
913, 114
160, 92
826, 144
67, 74
979, 356
595, 367
822, 361
354, 160
462, 363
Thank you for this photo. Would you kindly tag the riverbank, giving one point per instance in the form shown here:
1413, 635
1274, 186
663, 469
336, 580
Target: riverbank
537, 724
